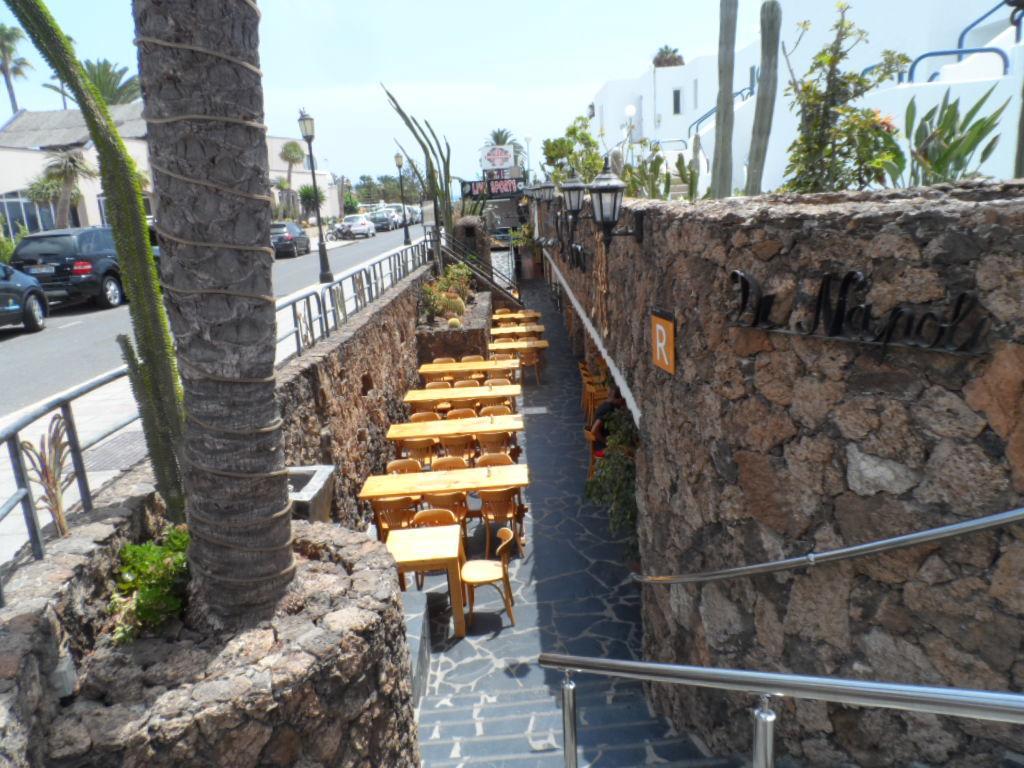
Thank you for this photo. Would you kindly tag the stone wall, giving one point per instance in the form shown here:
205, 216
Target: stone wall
339, 397
767, 445
326, 682
438, 340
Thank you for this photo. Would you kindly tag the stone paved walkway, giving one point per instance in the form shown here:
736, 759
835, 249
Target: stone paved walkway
573, 595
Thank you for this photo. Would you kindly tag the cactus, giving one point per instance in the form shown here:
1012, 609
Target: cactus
454, 323
617, 162
721, 172
693, 176
152, 367
1018, 162
767, 85
451, 304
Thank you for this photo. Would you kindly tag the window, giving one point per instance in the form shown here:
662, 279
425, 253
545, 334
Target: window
677, 101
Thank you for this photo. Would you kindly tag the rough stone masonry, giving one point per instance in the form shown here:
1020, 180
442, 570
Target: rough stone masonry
765, 445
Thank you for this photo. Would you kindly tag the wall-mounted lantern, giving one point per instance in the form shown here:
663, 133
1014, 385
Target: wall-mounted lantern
606, 193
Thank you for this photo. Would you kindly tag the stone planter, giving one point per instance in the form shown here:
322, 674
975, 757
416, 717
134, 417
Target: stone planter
311, 490
438, 340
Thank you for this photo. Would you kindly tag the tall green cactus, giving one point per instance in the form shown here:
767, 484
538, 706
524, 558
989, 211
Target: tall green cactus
767, 86
1018, 161
151, 364
693, 176
721, 171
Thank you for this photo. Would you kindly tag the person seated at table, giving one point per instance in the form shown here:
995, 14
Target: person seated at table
613, 403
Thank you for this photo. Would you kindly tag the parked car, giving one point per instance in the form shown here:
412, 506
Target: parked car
288, 239
415, 214
396, 208
383, 220
358, 225
73, 264
22, 300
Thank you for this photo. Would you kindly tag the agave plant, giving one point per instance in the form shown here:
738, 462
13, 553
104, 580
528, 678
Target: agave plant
943, 144
48, 468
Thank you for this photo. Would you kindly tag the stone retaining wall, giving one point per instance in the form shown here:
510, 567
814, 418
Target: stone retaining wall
339, 397
764, 445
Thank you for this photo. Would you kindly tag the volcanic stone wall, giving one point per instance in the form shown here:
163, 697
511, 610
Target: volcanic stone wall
339, 397
766, 445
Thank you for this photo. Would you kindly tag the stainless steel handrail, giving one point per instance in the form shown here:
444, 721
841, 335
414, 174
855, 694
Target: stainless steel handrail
843, 553
994, 706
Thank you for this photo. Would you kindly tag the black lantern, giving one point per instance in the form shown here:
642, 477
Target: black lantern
573, 190
306, 129
606, 193
306, 126
545, 191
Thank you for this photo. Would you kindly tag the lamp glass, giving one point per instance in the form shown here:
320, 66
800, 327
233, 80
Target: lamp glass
399, 160
306, 126
573, 191
606, 193
545, 191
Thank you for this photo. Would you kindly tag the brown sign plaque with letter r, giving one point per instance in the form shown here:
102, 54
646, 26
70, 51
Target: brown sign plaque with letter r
663, 340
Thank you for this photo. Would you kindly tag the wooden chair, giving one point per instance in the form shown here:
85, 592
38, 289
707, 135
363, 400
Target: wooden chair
455, 502
497, 383
476, 375
591, 439
508, 323
476, 573
593, 397
513, 375
437, 385
449, 463
496, 410
425, 416
466, 383
423, 449
444, 360
403, 466
463, 446
392, 513
503, 311
494, 442
530, 358
427, 518
462, 413
502, 505
494, 460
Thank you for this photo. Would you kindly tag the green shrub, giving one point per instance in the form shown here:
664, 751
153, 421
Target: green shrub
152, 584
614, 481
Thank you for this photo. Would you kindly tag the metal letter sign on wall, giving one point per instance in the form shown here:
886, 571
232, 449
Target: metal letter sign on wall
663, 340
843, 316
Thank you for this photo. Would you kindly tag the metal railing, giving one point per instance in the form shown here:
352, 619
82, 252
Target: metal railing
460, 249
844, 553
959, 52
954, 702
962, 39
742, 93
455, 251
316, 313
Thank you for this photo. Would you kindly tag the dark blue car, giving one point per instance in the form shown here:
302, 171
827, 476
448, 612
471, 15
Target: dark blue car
21, 300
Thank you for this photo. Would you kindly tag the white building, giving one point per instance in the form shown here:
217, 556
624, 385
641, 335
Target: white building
672, 104
26, 136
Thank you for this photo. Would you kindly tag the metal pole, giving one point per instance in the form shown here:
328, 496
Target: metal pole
77, 460
569, 719
405, 218
326, 276
764, 735
28, 506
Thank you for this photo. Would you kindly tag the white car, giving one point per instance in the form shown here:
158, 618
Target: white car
357, 224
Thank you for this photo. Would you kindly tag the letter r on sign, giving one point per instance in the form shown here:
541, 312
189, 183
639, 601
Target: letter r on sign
663, 341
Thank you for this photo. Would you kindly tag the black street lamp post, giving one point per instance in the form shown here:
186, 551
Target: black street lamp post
399, 160
306, 129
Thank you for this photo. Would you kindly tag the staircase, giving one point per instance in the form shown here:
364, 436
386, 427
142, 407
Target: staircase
522, 728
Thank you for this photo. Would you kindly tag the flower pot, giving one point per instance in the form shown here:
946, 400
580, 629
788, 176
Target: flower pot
311, 490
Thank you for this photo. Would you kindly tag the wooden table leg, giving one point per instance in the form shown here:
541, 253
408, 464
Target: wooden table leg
455, 595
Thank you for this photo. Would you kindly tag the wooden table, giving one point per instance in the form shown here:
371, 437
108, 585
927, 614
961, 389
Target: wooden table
516, 330
418, 483
487, 366
526, 314
516, 346
482, 425
435, 548
462, 394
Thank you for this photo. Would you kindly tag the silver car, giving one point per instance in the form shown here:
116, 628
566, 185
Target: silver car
359, 225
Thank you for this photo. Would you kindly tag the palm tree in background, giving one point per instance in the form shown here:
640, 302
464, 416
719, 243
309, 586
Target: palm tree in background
12, 65
667, 56
292, 153
67, 167
109, 80
503, 137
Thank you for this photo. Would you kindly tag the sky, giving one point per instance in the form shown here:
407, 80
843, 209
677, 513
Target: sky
467, 67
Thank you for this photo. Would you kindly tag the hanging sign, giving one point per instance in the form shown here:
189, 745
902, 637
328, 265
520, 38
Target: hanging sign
497, 157
495, 189
663, 340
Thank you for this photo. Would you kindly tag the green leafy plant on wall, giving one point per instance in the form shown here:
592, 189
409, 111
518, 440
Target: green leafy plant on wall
839, 146
943, 144
152, 585
577, 150
614, 481
643, 171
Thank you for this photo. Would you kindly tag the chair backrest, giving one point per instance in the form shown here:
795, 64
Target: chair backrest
488, 402
444, 359
495, 410
420, 448
499, 504
426, 518
503, 311
459, 444
497, 383
472, 358
449, 463
462, 413
494, 460
467, 383
452, 500
404, 466
438, 385
508, 323
528, 357
503, 356
395, 512
425, 416
505, 536
494, 442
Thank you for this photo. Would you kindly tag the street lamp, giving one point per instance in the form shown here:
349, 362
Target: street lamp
545, 191
399, 160
606, 193
307, 132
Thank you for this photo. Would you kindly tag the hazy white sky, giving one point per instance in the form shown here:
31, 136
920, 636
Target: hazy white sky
468, 67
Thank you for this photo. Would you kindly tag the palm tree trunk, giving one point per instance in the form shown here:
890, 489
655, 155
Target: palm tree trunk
9, 82
217, 264
289, 175
67, 188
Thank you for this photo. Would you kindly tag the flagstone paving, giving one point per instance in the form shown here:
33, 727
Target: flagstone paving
487, 701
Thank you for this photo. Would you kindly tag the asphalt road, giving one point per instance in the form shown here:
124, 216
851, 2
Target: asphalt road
79, 342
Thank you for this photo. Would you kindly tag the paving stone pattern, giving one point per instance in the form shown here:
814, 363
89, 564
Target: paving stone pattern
488, 703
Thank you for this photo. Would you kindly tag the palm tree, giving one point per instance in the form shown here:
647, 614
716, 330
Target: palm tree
216, 255
109, 80
11, 66
67, 166
310, 199
667, 56
292, 153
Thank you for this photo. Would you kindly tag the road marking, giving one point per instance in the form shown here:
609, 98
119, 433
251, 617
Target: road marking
69, 325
